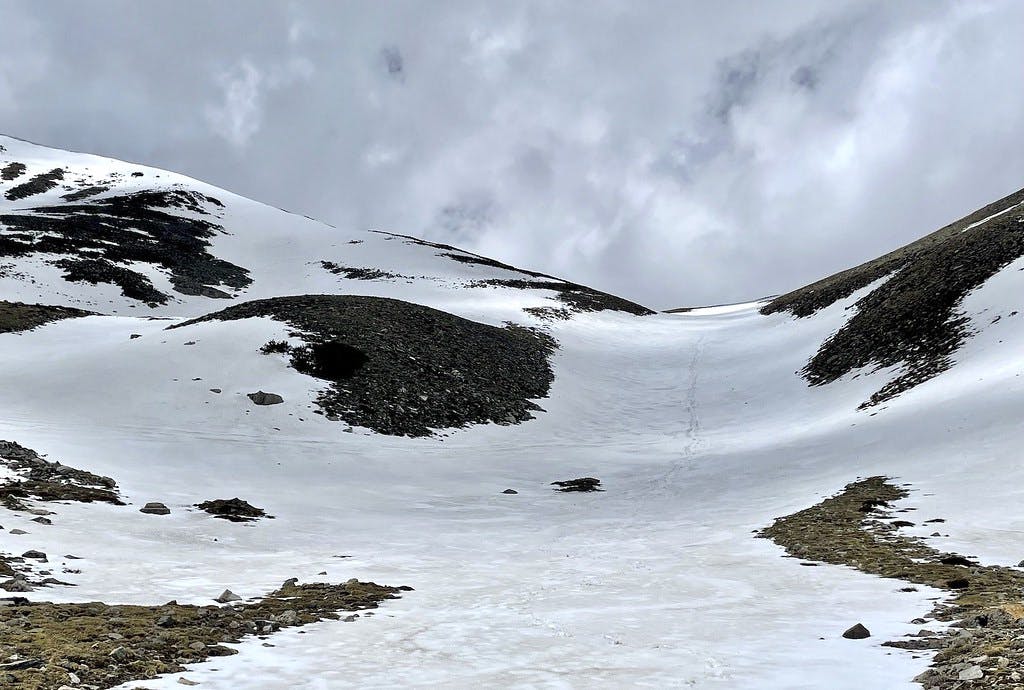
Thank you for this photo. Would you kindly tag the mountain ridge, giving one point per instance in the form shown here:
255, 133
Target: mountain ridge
301, 395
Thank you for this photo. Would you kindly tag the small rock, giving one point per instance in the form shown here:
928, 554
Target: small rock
264, 627
133, 336
43, 520
35, 555
971, 673
197, 646
13, 601
16, 584
857, 632
509, 491
18, 531
73, 557
289, 617
215, 390
155, 508
261, 398
119, 653
186, 681
227, 596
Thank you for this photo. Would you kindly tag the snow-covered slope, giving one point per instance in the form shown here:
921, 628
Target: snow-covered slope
699, 425
100, 234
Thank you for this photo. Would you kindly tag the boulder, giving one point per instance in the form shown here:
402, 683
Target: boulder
227, 596
155, 508
262, 398
857, 632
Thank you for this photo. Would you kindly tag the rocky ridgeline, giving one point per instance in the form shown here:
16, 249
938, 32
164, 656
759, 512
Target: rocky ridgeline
913, 319
573, 296
984, 645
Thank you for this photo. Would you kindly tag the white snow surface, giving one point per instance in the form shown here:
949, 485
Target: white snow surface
697, 424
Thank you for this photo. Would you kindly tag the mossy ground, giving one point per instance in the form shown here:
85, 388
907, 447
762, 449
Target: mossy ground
16, 317
986, 602
104, 645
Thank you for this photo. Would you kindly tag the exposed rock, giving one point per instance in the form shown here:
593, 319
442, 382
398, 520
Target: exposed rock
913, 320
971, 673
261, 398
227, 596
509, 491
49, 481
34, 555
576, 297
857, 632
405, 369
100, 241
43, 182
233, 509
582, 484
155, 508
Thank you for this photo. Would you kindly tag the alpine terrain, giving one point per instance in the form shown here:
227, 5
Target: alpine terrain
242, 449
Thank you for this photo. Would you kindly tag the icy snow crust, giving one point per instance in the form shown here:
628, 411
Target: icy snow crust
697, 424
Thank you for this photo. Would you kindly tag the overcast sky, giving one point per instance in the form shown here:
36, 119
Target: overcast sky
677, 153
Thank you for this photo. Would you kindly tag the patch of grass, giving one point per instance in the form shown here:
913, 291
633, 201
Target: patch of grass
105, 645
275, 347
17, 317
850, 529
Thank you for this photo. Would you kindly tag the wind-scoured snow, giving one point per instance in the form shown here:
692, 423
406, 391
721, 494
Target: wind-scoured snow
698, 425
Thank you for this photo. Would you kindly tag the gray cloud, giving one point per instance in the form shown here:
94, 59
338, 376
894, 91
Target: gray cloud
674, 152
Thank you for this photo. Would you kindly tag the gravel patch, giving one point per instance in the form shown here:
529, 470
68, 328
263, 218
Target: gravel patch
404, 369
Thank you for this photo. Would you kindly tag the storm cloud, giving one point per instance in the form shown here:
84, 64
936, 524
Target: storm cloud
676, 153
